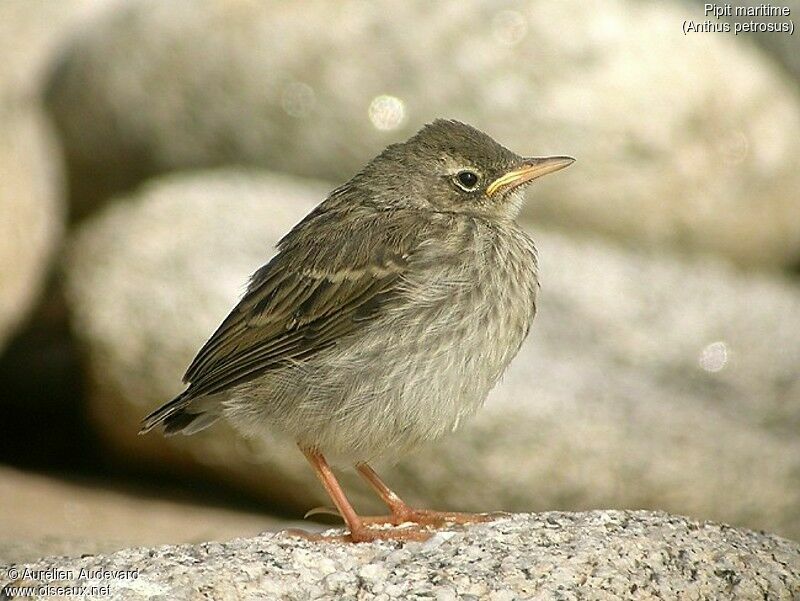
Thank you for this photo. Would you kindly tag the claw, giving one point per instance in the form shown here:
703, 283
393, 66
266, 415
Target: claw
322, 511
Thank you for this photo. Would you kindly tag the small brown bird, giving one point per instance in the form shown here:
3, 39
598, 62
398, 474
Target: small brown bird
387, 316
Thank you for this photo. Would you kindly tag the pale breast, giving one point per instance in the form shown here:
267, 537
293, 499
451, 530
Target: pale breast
488, 319
442, 351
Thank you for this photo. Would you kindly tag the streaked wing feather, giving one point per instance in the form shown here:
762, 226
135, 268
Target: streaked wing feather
261, 348
300, 303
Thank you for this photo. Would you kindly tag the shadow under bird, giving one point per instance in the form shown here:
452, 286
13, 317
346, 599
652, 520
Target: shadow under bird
387, 316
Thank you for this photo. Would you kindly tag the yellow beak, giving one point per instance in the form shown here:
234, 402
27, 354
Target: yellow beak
531, 169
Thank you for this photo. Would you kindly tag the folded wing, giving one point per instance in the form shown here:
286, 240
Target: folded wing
313, 293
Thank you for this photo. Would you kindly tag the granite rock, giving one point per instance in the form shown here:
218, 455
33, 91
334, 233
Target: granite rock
647, 381
44, 514
32, 33
32, 203
684, 141
32, 209
595, 555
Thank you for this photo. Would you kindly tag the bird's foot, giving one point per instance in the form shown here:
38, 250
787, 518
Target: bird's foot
405, 514
365, 534
431, 517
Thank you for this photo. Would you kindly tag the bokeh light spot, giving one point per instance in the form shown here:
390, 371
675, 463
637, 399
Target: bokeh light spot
714, 357
734, 147
298, 99
509, 27
387, 112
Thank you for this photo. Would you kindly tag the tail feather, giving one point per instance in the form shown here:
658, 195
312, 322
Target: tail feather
184, 414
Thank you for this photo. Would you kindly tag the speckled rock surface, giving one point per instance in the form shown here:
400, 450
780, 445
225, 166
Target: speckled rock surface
646, 381
685, 141
596, 555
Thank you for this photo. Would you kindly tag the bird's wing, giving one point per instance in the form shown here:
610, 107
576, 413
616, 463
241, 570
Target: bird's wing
329, 277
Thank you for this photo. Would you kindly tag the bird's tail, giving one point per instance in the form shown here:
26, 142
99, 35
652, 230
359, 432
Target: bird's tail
184, 414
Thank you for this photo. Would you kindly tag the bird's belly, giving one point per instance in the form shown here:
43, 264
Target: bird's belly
423, 372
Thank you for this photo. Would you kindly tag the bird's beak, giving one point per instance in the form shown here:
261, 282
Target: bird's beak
530, 169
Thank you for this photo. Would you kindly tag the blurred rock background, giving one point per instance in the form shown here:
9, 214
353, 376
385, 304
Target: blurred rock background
153, 153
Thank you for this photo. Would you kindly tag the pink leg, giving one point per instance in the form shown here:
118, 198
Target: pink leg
359, 531
402, 512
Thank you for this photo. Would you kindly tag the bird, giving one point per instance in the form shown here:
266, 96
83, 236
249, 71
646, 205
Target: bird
387, 315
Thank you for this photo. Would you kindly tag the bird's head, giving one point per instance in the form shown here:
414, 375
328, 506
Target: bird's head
450, 166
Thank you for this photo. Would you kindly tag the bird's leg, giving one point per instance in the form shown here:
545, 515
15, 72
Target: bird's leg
359, 531
402, 512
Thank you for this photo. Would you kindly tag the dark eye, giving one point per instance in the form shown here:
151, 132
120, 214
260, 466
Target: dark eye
468, 180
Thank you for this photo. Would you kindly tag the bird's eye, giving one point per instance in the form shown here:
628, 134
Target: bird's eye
468, 180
